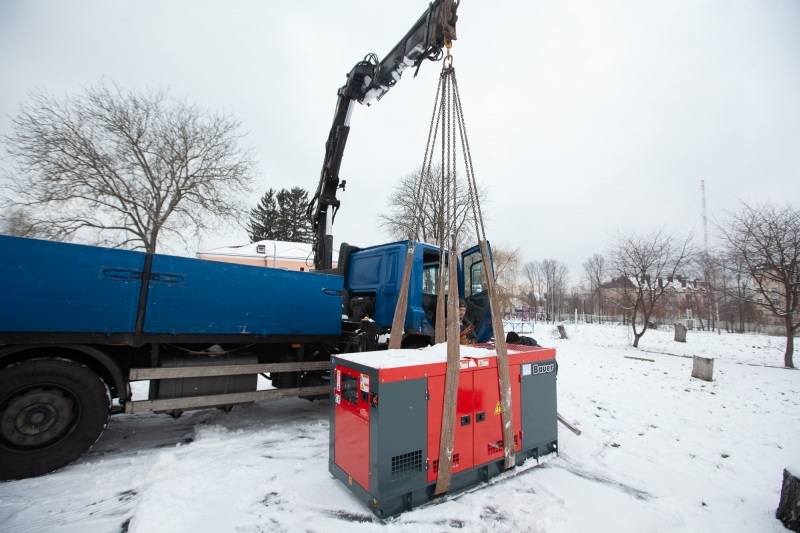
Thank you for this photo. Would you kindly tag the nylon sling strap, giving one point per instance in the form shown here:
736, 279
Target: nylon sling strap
503, 370
448, 430
448, 114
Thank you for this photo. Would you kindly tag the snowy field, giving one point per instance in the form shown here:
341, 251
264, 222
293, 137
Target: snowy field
660, 451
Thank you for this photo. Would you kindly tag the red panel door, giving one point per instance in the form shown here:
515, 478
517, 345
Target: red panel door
488, 420
351, 447
462, 445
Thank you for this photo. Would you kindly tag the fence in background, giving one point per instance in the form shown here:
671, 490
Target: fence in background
518, 326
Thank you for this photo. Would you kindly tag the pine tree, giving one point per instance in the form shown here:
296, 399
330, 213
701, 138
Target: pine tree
264, 219
292, 205
281, 216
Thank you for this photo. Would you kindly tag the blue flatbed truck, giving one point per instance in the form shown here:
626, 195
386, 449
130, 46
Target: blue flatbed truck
78, 324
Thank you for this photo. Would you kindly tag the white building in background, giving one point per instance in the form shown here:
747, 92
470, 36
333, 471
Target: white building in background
296, 256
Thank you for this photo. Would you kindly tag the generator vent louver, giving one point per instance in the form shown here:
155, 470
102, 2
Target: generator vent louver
456, 459
406, 464
497, 447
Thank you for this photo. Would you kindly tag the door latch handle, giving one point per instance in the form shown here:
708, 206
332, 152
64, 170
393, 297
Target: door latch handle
121, 274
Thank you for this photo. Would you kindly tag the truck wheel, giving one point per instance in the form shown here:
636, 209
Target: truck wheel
51, 412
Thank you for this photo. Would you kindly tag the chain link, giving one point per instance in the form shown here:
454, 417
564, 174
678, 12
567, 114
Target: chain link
474, 200
470, 193
446, 155
417, 213
449, 114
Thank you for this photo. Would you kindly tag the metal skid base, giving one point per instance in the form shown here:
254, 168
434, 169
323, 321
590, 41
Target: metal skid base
418, 496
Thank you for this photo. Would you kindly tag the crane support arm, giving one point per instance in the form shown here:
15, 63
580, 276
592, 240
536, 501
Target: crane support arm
368, 81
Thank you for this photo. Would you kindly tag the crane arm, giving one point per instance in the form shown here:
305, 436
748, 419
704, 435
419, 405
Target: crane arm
368, 81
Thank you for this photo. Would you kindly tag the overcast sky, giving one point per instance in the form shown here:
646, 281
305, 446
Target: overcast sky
585, 117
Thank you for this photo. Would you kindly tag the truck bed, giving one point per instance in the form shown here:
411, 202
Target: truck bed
49, 288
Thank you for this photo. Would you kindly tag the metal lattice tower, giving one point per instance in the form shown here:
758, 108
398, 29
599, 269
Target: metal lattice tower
705, 222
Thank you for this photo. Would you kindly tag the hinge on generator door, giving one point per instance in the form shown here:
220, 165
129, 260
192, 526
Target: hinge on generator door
427, 396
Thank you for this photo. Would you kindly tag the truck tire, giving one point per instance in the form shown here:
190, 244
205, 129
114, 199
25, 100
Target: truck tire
51, 412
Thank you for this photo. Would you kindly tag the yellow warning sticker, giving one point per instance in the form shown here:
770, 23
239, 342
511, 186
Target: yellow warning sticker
498, 409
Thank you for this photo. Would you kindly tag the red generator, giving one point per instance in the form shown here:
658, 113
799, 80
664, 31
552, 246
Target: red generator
386, 417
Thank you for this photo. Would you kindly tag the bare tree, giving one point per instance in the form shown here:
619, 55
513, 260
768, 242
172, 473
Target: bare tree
576, 299
123, 168
555, 275
546, 284
397, 220
645, 266
734, 285
595, 272
766, 239
708, 297
533, 291
506, 271
17, 222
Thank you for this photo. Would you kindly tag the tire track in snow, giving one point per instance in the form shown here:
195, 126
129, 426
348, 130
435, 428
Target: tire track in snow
125, 498
573, 469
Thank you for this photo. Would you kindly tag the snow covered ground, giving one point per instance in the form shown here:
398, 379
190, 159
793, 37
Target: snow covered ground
660, 451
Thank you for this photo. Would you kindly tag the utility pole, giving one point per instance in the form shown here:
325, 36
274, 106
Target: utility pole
705, 244
705, 221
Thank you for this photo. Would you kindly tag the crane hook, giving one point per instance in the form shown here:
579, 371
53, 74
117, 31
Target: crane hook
448, 60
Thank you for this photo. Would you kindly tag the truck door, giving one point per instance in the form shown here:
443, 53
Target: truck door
475, 291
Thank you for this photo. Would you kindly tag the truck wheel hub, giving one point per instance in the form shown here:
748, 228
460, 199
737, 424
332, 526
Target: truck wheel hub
37, 417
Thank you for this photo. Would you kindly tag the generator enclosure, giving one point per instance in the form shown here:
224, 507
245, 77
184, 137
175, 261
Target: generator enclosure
386, 418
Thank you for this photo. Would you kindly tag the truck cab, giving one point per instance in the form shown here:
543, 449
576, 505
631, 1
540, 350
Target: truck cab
372, 283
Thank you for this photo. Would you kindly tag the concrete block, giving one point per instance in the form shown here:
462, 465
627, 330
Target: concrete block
680, 332
702, 368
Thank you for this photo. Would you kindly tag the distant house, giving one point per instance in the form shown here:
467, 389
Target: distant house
615, 290
296, 256
519, 309
767, 288
682, 294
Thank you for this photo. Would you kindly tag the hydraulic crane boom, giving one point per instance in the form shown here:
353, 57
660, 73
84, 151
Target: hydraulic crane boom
369, 80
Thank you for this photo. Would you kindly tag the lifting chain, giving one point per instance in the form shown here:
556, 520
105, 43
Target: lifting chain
449, 115
448, 112
472, 183
446, 115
